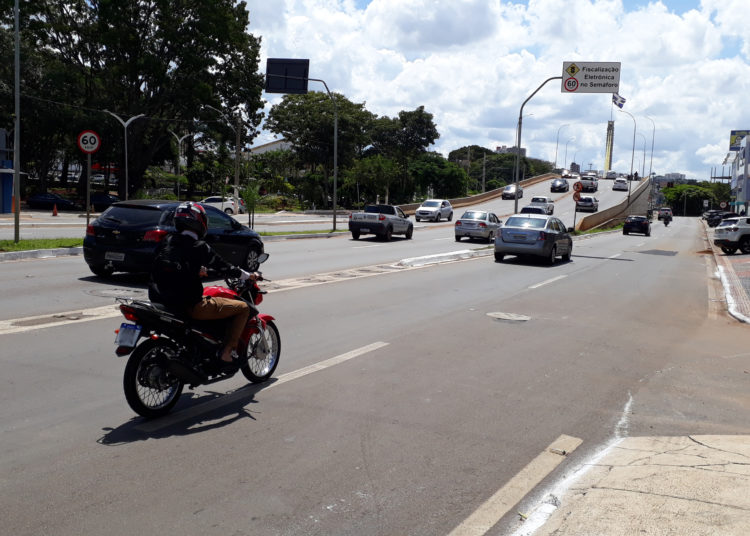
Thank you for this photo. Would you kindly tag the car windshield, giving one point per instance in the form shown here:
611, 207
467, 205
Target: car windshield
431, 204
510, 187
473, 215
528, 223
728, 222
538, 200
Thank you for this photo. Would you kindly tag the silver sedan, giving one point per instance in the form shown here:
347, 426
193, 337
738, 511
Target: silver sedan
477, 224
534, 235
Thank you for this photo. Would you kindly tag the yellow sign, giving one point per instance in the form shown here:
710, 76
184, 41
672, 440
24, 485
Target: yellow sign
572, 69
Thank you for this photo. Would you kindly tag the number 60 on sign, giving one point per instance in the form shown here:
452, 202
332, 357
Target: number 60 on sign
89, 141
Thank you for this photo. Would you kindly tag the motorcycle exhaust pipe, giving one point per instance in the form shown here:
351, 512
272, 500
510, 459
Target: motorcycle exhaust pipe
184, 373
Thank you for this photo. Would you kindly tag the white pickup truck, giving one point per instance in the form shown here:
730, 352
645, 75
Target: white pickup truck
544, 202
590, 182
381, 220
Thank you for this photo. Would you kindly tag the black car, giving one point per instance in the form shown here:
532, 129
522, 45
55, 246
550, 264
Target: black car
559, 185
101, 201
637, 224
50, 201
125, 236
715, 219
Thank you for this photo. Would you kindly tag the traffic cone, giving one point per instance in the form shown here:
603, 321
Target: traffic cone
54, 210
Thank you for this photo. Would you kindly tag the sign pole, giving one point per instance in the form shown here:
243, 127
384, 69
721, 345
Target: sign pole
88, 190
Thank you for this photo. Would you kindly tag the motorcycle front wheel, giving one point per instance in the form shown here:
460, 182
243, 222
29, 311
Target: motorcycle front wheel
150, 389
260, 363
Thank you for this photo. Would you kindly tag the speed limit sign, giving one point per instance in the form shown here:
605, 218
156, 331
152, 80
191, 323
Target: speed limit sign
89, 141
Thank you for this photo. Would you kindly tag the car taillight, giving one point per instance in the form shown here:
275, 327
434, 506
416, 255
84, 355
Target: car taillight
155, 235
482, 224
90, 230
458, 223
128, 312
381, 217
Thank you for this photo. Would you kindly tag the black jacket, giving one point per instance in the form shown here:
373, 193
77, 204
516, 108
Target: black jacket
175, 274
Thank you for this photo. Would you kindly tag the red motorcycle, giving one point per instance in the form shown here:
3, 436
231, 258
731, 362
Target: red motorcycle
175, 350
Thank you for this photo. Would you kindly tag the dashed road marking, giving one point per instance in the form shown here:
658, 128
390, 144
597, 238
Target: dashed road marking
548, 281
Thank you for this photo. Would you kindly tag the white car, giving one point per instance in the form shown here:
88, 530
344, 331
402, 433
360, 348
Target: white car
435, 210
225, 204
620, 184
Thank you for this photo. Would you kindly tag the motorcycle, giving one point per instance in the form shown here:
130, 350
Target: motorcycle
175, 350
666, 221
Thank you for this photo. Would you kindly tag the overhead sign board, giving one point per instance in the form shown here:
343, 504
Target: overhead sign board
287, 75
591, 77
735, 139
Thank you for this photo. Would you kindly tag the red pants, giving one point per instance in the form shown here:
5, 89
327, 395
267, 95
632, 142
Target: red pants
210, 308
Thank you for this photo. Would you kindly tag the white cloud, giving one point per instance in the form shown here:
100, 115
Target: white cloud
472, 63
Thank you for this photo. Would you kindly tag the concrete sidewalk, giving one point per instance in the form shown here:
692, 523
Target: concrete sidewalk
696, 485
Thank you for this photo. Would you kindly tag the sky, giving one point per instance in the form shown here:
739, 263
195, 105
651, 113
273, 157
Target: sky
685, 72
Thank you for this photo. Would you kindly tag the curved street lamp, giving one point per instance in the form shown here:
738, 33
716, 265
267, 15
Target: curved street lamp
557, 139
653, 132
632, 153
565, 162
125, 125
643, 164
179, 157
238, 133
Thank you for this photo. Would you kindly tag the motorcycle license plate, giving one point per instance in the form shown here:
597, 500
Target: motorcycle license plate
127, 335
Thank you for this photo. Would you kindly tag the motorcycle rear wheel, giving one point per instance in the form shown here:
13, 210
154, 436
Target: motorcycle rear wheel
259, 368
147, 366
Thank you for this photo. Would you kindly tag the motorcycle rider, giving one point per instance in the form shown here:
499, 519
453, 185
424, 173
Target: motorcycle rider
181, 260
667, 218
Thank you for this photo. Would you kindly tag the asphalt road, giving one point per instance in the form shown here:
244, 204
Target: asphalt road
423, 403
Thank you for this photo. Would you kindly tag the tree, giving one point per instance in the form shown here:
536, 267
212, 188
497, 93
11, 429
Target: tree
160, 58
307, 122
435, 176
687, 199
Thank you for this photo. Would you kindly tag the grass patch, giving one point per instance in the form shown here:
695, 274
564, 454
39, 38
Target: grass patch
40, 243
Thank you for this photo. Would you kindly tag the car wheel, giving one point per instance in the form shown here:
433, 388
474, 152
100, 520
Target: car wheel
458, 238
437, 217
745, 244
624, 232
251, 261
388, 234
409, 232
499, 257
450, 216
491, 237
728, 250
228, 211
417, 219
101, 270
355, 235
569, 255
552, 256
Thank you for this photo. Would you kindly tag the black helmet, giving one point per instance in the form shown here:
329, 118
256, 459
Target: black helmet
191, 217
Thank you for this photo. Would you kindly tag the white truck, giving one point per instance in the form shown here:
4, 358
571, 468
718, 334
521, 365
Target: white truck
590, 181
544, 202
381, 220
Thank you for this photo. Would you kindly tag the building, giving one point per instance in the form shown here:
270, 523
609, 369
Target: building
510, 150
740, 176
275, 145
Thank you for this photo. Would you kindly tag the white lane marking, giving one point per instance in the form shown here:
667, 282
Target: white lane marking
615, 255
488, 514
449, 238
153, 426
551, 498
370, 246
30, 323
548, 281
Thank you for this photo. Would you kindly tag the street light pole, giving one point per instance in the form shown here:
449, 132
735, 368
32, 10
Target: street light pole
237, 132
518, 138
557, 139
643, 165
565, 163
125, 125
632, 154
179, 157
653, 132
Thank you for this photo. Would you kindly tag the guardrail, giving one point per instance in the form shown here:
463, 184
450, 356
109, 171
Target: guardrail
617, 213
